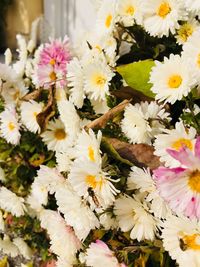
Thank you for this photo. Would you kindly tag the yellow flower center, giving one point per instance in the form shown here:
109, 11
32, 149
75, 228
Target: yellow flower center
98, 47
191, 241
91, 181
130, 10
11, 126
185, 31
182, 142
52, 62
60, 134
163, 10
99, 80
175, 81
91, 153
198, 60
16, 94
52, 76
108, 21
194, 181
35, 114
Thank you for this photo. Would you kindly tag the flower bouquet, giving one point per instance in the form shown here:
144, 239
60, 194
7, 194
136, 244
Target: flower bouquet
100, 146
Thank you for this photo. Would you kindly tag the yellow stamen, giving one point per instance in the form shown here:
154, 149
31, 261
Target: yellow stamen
182, 142
91, 153
99, 80
192, 241
163, 10
175, 81
52, 62
198, 60
194, 181
91, 181
52, 76
35, 114
108, 21
130, 10
60, 134
11, 126
185, 31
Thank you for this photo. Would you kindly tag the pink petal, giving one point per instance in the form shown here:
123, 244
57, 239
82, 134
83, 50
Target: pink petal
163, 173
197, 147
184, 156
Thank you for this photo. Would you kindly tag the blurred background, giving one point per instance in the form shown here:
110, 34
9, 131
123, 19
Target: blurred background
41, 19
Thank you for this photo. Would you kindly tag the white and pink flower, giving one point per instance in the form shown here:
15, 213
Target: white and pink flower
180, 186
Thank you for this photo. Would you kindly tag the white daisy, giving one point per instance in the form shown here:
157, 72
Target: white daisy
191, 54
64, 160
193, 6
2, 223
108, 221
106, 17
162, 16
29, 112
8, 56
172, 79
10, 126
130, 11
186, 30
24, 249
7, 247
56, 137
97, 78
10, 202
99, 106
88, 146
174, 139
75, 82
76, 213
131, 215
181, 238
86, 175
63, 241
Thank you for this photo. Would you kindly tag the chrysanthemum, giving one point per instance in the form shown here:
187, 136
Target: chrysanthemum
63, 242
142, 121
106, 17
174, 139
181, 238
10, 126
77, 214
161, 16
56, 137
99, 255
7, 247
88, 146
141, 179
132, 215
64, 160
99, 106
130, 11
171, 79
85, 175
10, 202
193, 6
180, 186
186, 30
24, 249
29, 112
191, 54
97, 78
75, 82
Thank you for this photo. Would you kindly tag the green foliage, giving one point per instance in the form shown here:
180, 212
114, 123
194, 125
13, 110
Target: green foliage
137, 76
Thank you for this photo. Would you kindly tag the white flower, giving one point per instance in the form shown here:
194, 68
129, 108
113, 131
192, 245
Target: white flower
181, 238
172, 79
56, 137
64, 160
2, 224
8, 248
63, 241
130, 11
63, 262
191, 54
10, 202
8, 56
99, 106
75, 82
193, 6
174, 139
108, 221
141, 121
77, 214
106, 17
24, 249
29, 112
131, 215
162, 16
88, 146
97, 78
86, 175
9, 125
99, 255
186, 30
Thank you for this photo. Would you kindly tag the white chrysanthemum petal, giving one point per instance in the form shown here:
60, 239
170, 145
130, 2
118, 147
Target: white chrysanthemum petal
8, 248
24, 249
186, 30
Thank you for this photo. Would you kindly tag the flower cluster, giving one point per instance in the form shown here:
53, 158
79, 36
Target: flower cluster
100, 147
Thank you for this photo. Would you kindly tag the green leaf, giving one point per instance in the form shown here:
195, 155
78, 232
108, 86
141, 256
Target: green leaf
137, 76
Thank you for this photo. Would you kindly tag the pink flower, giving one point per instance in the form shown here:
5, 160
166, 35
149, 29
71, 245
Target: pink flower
180, 187
53, 60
